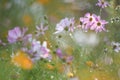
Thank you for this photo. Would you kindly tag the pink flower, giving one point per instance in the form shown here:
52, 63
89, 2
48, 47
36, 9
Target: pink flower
66, 24
87, 21
16, 34
35, 45
39, 51
59, 53
41, 29
27, 39
99, 25
92, 22
116, 46
64, 57
102, 3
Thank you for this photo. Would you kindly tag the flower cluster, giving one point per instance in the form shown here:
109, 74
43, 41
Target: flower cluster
89, 21
37, 50
92, 22
29, 44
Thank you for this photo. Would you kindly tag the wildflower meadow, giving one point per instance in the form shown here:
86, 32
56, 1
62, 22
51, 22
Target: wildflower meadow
59, 39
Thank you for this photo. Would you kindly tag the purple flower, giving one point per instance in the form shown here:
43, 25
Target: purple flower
59, 53
65, 57
99, 25
66, 24
92, 22
35, 45
44, 53
16, 34
87, 21
41, 29
102, 3
40, 51
69, 59
116, 46
27, 39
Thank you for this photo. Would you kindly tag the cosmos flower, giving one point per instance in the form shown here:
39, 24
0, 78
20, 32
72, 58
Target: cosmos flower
35, 46
102, 3
87, 21
116, 46
92, 22
44, 51
59, 53
99, 25
40, 51
16, 34
68, 59
66, 24
27, 39
41, 29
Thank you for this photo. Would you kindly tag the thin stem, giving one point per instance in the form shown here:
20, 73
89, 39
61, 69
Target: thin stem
100, 11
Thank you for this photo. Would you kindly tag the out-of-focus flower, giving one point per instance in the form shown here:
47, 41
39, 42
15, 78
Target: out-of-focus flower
66, 24
70, 74
102, 3
22, 60
35, 45
59, 53
89, 63
66, 58
16, 34
116, 46
43, 1
27, 19
40, 51
69, 59
27, 39
41, 29
49, 66
99, 25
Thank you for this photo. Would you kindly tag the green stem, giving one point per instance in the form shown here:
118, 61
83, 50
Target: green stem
100, 11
